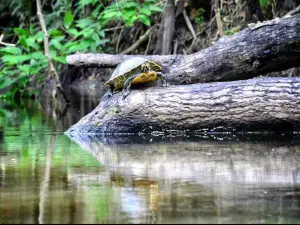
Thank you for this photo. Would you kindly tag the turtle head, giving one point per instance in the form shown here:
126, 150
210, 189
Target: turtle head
154, 66
145, 67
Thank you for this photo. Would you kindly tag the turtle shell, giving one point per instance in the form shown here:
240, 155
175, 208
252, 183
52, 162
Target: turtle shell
125, 69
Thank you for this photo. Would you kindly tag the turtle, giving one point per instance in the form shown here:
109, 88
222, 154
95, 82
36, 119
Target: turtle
135, 70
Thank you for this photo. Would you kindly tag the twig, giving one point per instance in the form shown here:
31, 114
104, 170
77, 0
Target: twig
51, 67
293, 12
148, 45
119, 39
175, 47
188, 23
113, 28
4, 43
219, 22
138, 42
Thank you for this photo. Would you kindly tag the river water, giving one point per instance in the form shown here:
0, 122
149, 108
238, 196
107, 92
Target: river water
47, 177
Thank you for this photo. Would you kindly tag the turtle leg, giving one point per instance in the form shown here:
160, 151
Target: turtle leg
163, 78
127, 85
109, 93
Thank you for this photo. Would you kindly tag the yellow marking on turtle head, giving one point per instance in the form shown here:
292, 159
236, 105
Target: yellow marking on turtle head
144, 78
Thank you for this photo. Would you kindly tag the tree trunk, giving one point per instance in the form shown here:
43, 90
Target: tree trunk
251, 104
267, 47
166, 32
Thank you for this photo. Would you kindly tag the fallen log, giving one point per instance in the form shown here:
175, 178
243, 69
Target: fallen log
259, 49
251, 104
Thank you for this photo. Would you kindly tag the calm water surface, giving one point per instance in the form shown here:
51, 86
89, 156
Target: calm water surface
47, 177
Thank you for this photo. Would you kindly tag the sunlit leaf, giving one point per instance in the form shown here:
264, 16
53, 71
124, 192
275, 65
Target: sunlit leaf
23, 42
20, 31
144, 19
61, 59
96, 11
68, 19
11, 50
31, 42
73, 32
145, 11
54, 32
82, 23
14, 59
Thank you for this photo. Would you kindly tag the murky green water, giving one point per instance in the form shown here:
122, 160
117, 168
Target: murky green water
45, 177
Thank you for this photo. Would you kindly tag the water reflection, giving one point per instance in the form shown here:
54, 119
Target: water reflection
198, 181
47, 177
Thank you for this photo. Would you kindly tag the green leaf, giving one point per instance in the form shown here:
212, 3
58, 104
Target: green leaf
13, 59
101, 33
112, 15
95, 37
11, 50
23, 42
129, 13
68, 19
31, 42
39, 36
61, 59
87, 32
21, 32
155, 8
37, 55
83, 23
130, 21
73, 32
144, 19
56, 43
31, 28
6, 82
145, 11
96, 11
130, 5
54, 32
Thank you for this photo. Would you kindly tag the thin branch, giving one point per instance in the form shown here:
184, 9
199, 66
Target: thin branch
51, 67
4, 43
138, 42
189, 24
219, 21
293, 12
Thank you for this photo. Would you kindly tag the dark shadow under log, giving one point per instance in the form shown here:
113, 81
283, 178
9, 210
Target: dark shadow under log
271, 46
261, 103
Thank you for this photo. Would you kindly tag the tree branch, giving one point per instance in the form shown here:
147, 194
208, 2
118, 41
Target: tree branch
266, 47
52, 70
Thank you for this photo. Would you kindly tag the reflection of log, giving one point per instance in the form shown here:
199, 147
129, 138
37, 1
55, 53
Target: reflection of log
255, 103
273, 46
197, 181
204, 162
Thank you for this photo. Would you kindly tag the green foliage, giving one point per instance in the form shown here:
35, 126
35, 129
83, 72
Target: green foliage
264, 3
129, 11
70, 30
199, 17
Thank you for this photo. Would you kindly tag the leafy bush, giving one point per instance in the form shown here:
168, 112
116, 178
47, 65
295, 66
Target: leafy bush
70, 30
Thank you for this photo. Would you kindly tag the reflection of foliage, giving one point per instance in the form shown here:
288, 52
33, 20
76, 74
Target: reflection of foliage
27, 135
98, 199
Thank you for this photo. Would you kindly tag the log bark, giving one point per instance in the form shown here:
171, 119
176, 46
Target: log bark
272, 103
268, 47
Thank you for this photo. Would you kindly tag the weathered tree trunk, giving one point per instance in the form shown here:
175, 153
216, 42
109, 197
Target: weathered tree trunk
271, 46
251, 104
166, 31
